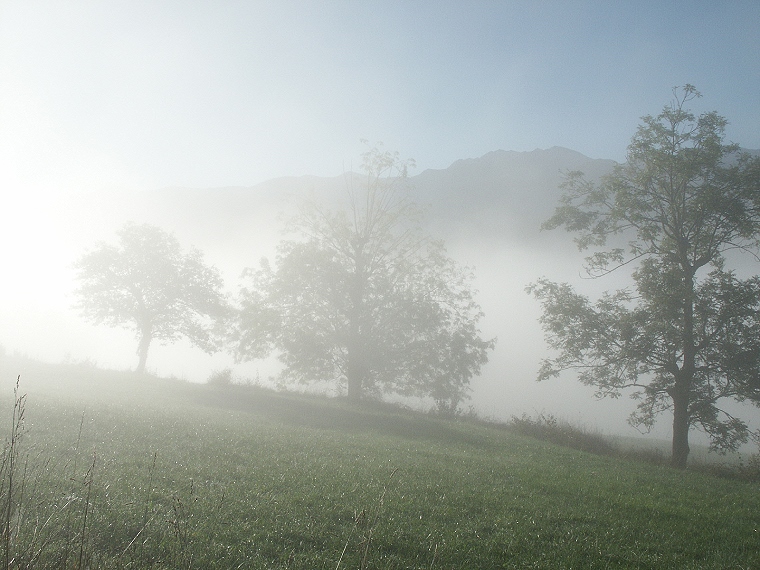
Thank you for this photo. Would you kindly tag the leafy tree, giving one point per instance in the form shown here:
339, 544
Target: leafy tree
365, 298
687, 337
148, 284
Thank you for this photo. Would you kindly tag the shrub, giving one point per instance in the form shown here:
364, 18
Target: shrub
549, 428
220, 377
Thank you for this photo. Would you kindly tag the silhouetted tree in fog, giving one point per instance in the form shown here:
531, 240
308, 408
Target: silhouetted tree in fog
686, 338
365, 298
146, 283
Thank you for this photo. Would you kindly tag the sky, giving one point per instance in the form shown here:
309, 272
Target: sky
105, 95
99, 97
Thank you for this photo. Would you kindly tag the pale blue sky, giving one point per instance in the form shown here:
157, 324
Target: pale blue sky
132, 94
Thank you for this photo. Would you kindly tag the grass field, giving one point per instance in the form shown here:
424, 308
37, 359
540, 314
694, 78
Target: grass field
119, 471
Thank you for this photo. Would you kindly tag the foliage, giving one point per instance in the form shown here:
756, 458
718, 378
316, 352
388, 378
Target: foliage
687, 337
366, 298
148, 284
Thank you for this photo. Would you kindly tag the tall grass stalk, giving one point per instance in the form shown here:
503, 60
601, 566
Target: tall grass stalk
73, 490
88, 485
374, 520
148, 516
8, 469
367, 522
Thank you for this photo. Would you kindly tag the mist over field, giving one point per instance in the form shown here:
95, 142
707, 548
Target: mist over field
214, 122
488, 210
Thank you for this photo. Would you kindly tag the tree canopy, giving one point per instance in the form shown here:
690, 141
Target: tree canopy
365, 299
146, 283
686, 336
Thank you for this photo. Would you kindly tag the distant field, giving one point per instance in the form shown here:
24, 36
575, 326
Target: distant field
119, 471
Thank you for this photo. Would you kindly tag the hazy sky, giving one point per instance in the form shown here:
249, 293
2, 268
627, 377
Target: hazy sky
97, 95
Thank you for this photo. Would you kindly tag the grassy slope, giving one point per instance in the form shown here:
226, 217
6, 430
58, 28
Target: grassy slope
195, 476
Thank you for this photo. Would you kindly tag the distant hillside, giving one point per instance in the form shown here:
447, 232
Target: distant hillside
500, 195
504, 194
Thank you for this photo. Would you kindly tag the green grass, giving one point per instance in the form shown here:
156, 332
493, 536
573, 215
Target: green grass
196, 476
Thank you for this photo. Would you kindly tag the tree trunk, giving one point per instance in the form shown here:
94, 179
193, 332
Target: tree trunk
681, 425
681, 392
354, 375
142, 351
356, 365
354, 355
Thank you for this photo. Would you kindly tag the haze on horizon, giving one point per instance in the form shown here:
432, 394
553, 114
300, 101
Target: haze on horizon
117, 97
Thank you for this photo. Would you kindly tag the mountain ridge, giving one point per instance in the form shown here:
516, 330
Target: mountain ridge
501, 195
518, 186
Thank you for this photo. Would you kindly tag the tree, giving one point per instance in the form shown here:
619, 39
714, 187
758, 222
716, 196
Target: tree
365, 298
687, 337
148, 284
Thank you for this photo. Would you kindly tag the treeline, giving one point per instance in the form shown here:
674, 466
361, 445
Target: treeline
360, 296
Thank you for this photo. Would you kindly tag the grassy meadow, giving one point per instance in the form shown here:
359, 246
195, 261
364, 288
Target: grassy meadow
112, 470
